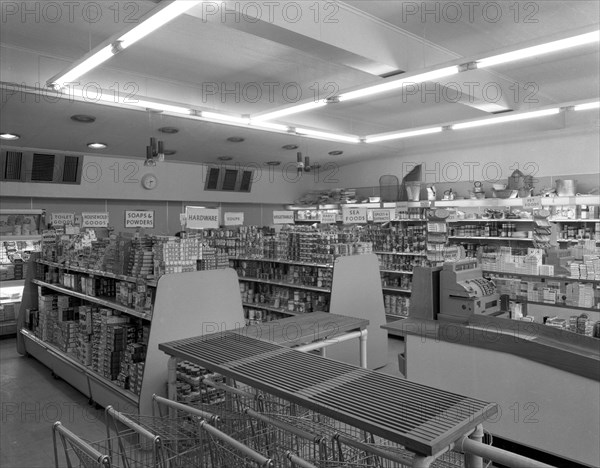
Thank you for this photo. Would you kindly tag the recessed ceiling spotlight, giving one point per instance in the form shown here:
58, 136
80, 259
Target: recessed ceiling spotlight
9, 136
235, 139
224, 158
290, 147
96, 145
335, 153
273, 163
169, 152
169, 130
82, 118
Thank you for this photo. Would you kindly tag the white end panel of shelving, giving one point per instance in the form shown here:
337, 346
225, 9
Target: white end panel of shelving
356, 292
188, 305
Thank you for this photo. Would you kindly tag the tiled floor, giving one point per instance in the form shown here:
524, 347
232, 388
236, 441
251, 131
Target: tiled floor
32, 400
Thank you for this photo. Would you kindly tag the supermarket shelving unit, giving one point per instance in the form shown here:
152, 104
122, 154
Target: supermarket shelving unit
11, 288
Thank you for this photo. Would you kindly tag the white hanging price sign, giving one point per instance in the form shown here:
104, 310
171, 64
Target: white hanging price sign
328, 217
139, 219
532, 203
383, 215
283, 217
233, 219
202, 218
94, 220
61, 219
354, 215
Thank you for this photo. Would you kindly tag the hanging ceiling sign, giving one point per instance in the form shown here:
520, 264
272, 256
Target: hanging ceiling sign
61, 219
202, 218
94, 220
283, 217
139, 218
233, 219
354, 215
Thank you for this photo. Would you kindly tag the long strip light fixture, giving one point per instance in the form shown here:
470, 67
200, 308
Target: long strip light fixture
290, 110
399, 135
541, 49
159, 18
506, 118
326, 135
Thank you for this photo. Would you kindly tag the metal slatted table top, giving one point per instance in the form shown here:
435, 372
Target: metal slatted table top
421, 418
302, 329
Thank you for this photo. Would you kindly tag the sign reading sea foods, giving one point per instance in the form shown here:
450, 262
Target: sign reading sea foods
94, 220
283, 217
61, 219
202, 218
354, 215
139, 218
233, 219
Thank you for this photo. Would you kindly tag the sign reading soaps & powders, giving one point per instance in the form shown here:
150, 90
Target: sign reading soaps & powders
202, 218
139, 218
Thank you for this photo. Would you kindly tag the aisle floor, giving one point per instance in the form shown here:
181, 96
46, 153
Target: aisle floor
32, 400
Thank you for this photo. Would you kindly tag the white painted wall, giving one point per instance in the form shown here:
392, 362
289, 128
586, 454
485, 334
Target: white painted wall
107, 177
556, 154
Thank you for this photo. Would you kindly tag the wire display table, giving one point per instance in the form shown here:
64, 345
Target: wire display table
423, 420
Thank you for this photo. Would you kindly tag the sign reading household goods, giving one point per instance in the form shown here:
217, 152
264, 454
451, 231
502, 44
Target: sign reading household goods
202, 218
94, 220
139, 218
354, 215
233, 219
283, 217
62, 219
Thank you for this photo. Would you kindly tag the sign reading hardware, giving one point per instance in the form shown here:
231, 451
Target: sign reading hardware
94, 220
60, 219
354, 215
328, 217
532, 203
383, 215
283, 217
233, 219
202, 218
139, 218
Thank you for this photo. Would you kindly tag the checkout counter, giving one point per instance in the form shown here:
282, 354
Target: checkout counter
546, 381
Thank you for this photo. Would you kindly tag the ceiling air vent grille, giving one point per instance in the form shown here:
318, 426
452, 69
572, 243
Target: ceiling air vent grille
71, 169
42, 167
229, 180
212, 179
12, 165
246, 183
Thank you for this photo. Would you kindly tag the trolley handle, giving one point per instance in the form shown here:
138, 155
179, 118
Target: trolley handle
227, 388
244, 449
315, 438
297, 461
213, 418
86, 448
117, 416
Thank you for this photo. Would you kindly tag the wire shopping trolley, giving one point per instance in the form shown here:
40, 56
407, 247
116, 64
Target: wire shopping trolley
185, 438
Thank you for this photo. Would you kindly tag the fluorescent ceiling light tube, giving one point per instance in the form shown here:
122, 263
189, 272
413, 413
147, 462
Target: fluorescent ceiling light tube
395, 84
270, 126
160, 106
506, 118
155, 21
290, 110
88, 64
587, 106
540, 49
395, 136
328, 136
225, 117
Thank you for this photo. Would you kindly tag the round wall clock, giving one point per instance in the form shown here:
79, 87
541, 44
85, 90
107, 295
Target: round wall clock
149, 181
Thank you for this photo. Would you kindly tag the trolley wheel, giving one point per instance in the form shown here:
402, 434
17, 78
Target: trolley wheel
91, 401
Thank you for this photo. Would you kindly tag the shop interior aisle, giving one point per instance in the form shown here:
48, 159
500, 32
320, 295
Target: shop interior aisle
31, 400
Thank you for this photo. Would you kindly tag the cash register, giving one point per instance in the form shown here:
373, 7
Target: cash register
464, 291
